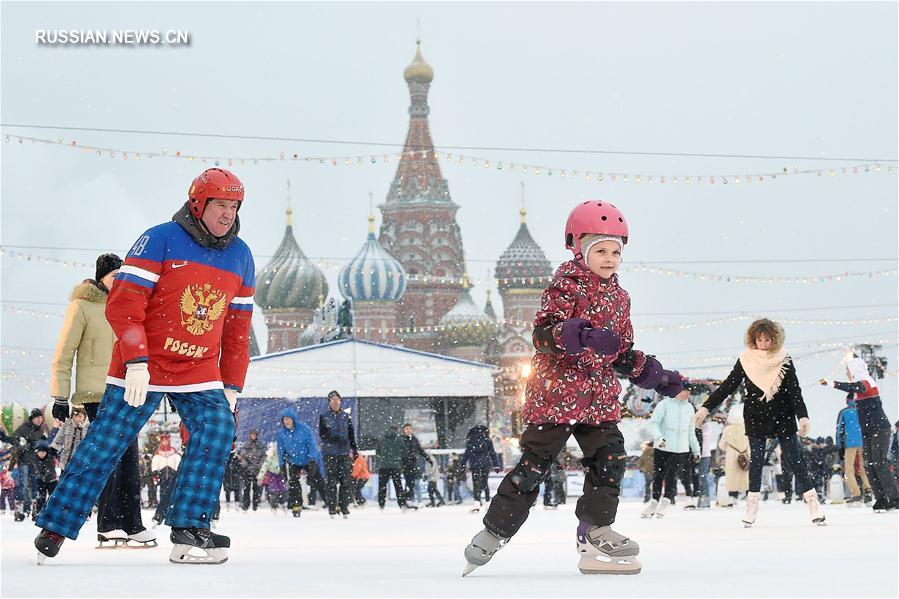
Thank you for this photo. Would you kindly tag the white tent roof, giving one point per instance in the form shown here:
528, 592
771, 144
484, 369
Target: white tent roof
380, 371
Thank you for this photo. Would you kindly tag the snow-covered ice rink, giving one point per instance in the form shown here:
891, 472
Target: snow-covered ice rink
394, 554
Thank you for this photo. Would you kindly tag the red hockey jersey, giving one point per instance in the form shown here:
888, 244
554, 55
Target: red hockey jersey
185, 309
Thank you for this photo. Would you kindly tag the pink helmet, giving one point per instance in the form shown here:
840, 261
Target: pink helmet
593, 217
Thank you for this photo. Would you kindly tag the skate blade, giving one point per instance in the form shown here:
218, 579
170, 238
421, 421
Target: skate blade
819, 522
603, 564
747, 524
468, 569
40, 558
188, 554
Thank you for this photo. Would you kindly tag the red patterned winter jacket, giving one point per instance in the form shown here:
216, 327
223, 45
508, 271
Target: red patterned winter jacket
583, 388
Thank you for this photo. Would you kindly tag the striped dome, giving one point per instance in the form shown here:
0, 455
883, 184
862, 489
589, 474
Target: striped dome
523, 265
373, 275
290, 279
466, 324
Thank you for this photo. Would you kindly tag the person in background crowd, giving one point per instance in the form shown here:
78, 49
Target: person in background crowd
479, 456
646, 465
7, 490
454, 478
335, 428
165, 465
412, 456
70, 435
735, 445
44, 476
271, 479
232, 481
87, 340
875, 433
389, 460
360, 476
148, 480
296, 451
432, 474
674, 439
28, 434
250, 457
705, 461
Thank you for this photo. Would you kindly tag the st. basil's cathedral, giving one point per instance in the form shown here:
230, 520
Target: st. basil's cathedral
408, 285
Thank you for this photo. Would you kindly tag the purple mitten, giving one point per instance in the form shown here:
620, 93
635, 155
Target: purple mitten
651, 376
602, 341
571, 334
671, 384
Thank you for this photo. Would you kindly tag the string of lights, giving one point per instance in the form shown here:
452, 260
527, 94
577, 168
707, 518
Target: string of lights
451, 157
336, 264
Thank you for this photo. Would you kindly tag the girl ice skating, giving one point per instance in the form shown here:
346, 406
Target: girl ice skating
584, 338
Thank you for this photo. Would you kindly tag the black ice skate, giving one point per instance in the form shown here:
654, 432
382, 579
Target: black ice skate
198, 546
481, 549
48, 544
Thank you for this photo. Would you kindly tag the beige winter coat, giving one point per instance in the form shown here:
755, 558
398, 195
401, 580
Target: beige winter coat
733, 441
87, 335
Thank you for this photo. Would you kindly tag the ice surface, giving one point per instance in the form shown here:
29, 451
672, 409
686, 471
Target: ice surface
393, 554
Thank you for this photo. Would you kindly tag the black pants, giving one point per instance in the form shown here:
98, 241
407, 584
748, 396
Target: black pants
789, 452
688, 475
479, 484
152, 500
667, 465
433, 492
42, 492
411, 474
118, 507
316, 483
294, 486
604, 459
384, 476
250, 488
647, 488
337, 469
875, 447
167, 478
358, 484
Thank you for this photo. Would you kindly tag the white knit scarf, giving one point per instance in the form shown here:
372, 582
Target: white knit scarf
765, 369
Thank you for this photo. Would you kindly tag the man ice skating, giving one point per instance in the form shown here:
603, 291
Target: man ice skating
338, 441
180, 308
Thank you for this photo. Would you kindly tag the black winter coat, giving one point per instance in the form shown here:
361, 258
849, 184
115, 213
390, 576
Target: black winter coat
412, 451
764, 418
32, 434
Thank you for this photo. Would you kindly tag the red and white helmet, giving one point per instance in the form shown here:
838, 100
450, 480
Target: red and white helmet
593, 217
214, 184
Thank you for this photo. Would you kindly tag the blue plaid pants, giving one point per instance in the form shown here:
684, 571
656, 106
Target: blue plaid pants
211, 426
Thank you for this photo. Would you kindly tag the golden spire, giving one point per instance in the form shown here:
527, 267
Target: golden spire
289, 210
523, 212
418, 69
466, 283
371, 212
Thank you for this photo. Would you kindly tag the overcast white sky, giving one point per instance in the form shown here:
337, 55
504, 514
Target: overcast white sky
785, 79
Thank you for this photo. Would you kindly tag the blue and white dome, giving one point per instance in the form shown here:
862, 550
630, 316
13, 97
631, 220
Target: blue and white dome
373, 275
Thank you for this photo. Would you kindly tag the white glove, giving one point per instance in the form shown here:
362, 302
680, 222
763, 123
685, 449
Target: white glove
660, 443
137, 380
804, 425
231, 396
700, 415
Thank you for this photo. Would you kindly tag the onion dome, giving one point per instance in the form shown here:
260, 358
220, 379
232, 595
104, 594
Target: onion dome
523, 265
290, 279
373, 275
466, 324
418, 69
